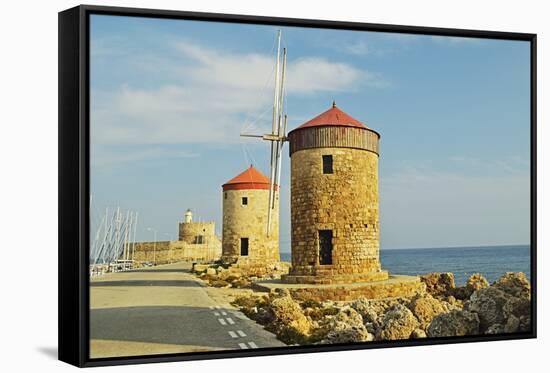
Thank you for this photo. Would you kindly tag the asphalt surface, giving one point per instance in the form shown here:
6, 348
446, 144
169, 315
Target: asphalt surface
165, 309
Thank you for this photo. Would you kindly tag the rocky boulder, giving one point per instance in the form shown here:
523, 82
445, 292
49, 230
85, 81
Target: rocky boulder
289, 322
474, 282
418, 333
425, 308
454, 323
346, 327
439, 285
199, 268
397, 323
488, 304
515, 284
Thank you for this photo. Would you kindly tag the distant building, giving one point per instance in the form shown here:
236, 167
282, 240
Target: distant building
197, 241
196, 232
334, 201
245, 210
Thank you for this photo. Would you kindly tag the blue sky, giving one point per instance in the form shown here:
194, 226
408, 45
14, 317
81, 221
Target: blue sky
170, 97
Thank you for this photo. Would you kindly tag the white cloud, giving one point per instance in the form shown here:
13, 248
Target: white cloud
358, 48
112, 156
455, 40
212, 94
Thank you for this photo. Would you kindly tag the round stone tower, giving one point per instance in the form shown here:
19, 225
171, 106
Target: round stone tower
334, 201
245, 210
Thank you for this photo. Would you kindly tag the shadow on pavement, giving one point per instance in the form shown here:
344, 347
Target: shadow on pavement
179, 325
164, 270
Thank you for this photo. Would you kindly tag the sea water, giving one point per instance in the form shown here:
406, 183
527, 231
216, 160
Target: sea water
491, 261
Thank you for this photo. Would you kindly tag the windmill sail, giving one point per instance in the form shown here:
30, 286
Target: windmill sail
278, 130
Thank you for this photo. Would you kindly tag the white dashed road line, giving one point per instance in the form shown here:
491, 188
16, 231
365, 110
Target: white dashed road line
233, 334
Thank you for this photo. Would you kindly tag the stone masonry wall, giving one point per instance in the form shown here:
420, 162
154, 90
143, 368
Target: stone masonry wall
175, 251
345, 202
189, 231
249, 221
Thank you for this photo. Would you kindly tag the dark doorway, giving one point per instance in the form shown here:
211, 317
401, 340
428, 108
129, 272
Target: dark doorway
325, 247
244, 246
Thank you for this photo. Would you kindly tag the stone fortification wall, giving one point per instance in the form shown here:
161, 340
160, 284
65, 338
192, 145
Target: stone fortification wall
175, 251
191, 232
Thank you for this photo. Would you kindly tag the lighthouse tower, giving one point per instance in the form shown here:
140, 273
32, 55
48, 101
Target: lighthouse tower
334, 201
246, 240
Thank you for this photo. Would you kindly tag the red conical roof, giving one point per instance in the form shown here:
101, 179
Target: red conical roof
251, 178
333, 117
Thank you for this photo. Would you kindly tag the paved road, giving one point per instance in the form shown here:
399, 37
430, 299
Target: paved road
165, 309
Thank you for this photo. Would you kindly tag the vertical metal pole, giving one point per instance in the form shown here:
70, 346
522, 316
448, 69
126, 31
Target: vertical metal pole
155, 248
134, 243
273, 132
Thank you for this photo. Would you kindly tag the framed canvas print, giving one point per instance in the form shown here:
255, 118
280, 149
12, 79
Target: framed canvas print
235, 186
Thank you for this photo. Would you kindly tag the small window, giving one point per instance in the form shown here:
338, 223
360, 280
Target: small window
244, 246
327, 164
245, 201
199, 240
225, 195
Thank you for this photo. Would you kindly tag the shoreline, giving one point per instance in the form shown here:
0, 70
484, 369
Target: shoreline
440, 309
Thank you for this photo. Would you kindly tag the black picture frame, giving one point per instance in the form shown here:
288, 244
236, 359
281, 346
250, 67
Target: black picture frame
74, 180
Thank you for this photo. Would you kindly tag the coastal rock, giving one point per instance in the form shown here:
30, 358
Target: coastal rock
425, 308
289, 322
372, 309
418, 333
474, 282
517, 307
346, 327
515, 284
348, 335
240, 283
495, 329
220, 284
488, 304
368, 312
512, 324
211, 271
524, 324
199, 268
398, 323
439, 285
454, 323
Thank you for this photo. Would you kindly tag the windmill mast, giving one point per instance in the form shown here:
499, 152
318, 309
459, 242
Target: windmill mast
278, 129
